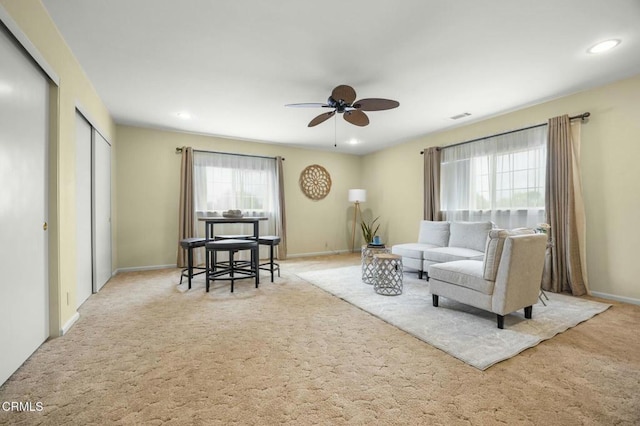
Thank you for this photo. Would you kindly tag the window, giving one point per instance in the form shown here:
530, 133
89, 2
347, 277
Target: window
235, 182
228, 188
501, 179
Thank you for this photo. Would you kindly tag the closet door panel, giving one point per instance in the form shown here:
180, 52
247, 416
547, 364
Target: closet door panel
101, 210
84, 256
24, 118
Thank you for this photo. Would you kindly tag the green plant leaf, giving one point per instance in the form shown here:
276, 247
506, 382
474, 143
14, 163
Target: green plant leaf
368, 231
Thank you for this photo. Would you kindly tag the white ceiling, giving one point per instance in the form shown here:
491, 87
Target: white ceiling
233, 65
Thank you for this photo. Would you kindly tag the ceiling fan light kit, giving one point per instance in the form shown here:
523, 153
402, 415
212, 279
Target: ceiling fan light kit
342, 102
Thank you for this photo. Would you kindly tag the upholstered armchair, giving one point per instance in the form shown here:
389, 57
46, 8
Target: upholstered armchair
506, 280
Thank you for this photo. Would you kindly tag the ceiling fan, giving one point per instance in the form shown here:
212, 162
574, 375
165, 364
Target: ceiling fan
342, 101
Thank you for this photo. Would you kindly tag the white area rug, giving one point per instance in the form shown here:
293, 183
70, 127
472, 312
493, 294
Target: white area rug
462, 331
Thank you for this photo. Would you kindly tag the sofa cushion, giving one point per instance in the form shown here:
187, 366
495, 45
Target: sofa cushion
413, 250
464, 273
434, 232
472, 235
449, 254
409, 263
494, 248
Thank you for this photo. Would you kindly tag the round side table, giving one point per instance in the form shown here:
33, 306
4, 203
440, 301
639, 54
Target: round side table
388, 274
367, 261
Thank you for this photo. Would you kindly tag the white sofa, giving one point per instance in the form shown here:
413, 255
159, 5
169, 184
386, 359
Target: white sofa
505, 280
440, 242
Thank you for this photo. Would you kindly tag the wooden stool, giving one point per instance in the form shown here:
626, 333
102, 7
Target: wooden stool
387, 274
271, 241
189, 244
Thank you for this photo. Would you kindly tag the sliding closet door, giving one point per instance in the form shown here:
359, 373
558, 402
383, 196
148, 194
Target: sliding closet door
93, 209
24, 118
84, 258
101, 210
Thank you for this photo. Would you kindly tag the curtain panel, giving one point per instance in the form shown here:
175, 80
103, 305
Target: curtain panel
564, 273
281, 217
432, 184
581, 219
186, 228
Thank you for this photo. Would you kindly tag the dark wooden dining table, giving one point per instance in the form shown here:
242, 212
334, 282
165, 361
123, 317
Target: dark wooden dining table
211, 221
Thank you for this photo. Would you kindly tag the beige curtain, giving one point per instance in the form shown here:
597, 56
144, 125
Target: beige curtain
186, 226
281, 220
432, 184
564, 269
581, 218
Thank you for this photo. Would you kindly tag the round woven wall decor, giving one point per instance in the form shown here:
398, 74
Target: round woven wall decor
315, 182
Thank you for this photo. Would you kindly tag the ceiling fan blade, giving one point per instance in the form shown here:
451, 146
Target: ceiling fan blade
321, 118
375, 104
344, 93
308, 105
356, 117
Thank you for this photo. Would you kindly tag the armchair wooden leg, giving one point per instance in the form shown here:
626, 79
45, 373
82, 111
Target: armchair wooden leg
501, 322
434, 297
528, 311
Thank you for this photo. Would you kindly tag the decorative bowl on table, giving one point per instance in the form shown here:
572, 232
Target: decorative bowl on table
232, 213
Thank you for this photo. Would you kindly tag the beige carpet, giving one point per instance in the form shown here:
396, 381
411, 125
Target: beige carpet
462, 331
148, 352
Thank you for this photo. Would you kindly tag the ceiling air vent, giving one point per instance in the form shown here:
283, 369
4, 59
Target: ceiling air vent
456, 117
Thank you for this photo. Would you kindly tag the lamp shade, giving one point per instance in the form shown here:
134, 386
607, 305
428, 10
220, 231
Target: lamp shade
357, 195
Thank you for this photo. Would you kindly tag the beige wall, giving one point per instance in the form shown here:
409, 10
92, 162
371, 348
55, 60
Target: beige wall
611, 178
148, 176
74, 89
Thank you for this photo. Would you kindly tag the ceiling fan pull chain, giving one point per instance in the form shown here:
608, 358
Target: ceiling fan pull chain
335, 132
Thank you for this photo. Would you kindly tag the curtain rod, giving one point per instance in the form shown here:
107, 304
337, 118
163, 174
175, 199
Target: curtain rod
179, 151
582, 117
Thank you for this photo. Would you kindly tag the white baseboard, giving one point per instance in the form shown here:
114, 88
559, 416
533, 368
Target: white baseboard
320, 253
145, 268
67, 326
616, 298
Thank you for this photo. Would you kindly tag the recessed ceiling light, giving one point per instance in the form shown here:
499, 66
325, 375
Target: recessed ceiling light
603, 46
183, 115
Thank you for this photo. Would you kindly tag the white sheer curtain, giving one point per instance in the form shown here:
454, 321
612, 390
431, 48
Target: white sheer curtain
501, 179
235, 182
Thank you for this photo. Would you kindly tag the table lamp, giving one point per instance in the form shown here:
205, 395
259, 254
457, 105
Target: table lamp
356, 196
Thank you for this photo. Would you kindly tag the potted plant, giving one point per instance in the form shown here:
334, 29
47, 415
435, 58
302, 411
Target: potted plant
368, 230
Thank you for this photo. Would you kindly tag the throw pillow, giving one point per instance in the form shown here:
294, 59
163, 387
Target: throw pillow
434, 232
471, 235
